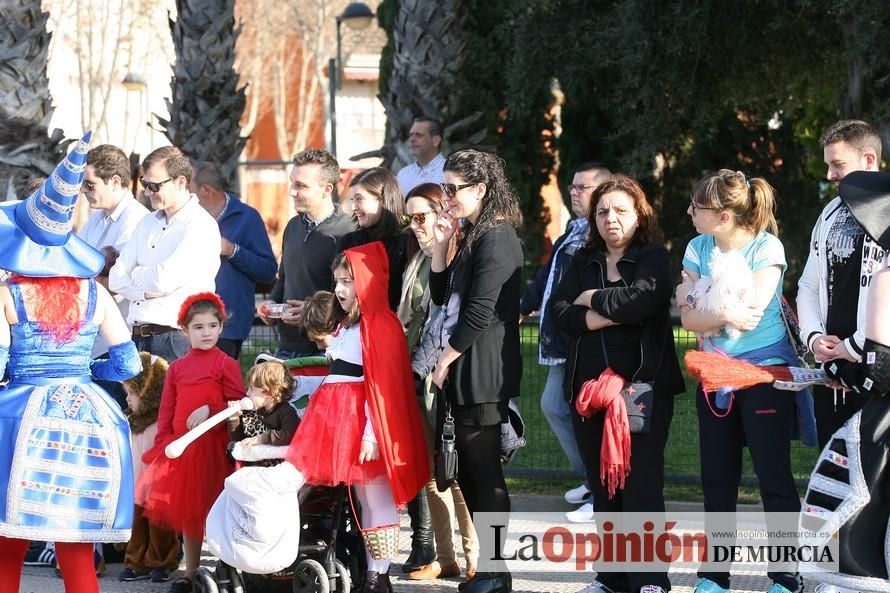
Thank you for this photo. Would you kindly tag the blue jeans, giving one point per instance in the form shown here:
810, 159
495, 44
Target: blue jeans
559, 416
168, 346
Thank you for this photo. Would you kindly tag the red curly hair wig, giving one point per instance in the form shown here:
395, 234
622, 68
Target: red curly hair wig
57, 306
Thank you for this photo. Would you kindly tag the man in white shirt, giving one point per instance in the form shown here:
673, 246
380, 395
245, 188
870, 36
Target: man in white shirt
173, 254
106, 187
424, 141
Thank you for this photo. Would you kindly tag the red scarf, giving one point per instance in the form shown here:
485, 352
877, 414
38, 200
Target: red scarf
604, 393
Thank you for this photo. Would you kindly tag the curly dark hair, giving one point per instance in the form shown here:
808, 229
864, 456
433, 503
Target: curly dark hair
499, 204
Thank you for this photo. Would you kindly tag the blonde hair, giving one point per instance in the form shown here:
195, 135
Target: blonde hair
273, 379
751, 201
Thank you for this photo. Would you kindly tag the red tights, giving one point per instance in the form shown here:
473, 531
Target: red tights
75, 560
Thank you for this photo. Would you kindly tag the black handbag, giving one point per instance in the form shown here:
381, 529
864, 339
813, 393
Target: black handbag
446, 454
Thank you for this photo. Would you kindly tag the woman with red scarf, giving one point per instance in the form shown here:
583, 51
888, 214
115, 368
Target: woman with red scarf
614, 302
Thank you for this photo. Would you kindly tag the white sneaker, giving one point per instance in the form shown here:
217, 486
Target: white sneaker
578, 495
651, 589
596, 587
827, 588
583, 514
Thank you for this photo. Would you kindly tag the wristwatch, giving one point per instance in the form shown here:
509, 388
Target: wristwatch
690, 300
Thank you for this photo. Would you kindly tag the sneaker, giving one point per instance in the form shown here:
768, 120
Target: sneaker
159, 575
652, 589
583, 514
826, 588
40, 554
596, 587
708, 586
131, 574
777, 588
578, 495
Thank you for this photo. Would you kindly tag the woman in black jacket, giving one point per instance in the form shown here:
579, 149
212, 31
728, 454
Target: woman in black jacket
614, 302
379, 209
480, 365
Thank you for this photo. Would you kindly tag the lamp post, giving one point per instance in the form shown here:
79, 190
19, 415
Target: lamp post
357, 16
134, 82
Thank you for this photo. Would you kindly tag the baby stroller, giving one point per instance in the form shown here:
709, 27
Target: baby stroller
331, 551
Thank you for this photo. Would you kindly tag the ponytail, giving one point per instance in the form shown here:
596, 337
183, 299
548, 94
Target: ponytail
762, 215
751, 201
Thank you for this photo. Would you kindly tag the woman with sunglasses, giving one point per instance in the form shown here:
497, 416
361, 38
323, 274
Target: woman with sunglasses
733, 213
480, 365
424, 205
378, 209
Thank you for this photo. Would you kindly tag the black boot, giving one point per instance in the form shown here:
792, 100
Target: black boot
376, 583
488, 582
423, 550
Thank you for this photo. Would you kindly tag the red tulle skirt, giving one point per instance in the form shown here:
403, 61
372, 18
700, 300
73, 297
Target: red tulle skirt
179, 492
327, 444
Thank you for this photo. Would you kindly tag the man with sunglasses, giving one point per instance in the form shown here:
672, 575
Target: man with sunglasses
834, 285
173, 254
424, 141
553, 346
106, 187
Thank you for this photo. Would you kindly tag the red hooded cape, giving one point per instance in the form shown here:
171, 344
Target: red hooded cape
389, 385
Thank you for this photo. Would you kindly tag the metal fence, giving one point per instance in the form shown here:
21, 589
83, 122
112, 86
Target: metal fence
543, 456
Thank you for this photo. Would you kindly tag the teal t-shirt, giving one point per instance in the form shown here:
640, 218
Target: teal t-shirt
762, 251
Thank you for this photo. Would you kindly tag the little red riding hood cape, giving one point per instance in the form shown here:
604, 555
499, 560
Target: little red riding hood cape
389, 386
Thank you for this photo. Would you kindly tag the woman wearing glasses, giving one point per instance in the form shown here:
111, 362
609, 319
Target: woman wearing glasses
733, 213
613, 303
480, 365
378, 209
424, 205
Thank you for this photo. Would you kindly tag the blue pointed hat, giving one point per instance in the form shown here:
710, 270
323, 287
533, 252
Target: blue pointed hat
36, 237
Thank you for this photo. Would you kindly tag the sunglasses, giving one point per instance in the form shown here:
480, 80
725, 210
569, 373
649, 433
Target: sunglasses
696, 207
451, 189
417, 218
153, 186
579, 187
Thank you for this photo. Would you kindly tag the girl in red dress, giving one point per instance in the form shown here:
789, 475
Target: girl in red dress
181, 491
362, 426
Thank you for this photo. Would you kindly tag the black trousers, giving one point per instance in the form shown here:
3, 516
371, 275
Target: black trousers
833, 410
643, 489
761, 417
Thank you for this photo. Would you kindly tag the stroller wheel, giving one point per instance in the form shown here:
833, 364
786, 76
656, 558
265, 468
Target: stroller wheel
310, 577
344, 583
203, 582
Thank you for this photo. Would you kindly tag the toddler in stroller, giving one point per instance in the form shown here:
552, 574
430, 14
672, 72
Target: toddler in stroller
329, 556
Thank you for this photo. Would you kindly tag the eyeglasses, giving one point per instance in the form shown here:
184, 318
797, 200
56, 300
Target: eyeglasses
89, 185
451, 189
579, 187
152, 186
696, 207
416, 218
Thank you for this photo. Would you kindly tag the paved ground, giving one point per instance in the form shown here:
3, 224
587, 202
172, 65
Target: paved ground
745, 579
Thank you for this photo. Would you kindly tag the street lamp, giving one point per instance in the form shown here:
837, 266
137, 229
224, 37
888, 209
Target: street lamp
134, 82
357, 16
